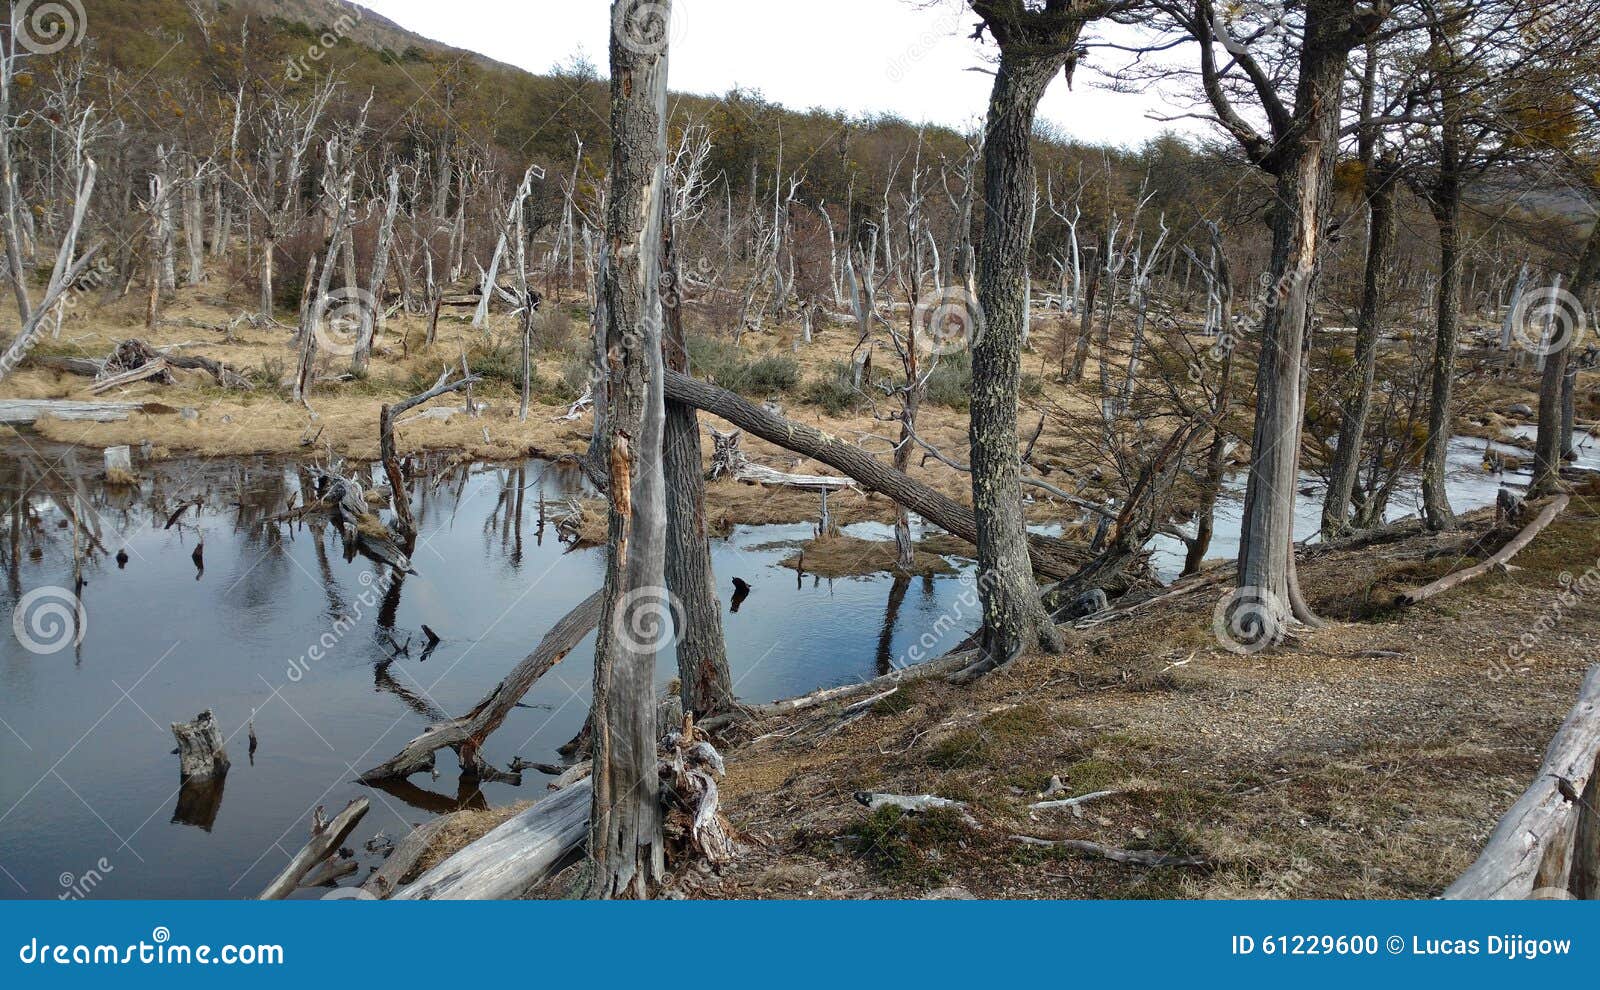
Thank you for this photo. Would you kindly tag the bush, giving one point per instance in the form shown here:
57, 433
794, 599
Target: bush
833, 391
724, 363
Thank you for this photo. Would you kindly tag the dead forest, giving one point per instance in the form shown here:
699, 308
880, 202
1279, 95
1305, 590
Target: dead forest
1375, 250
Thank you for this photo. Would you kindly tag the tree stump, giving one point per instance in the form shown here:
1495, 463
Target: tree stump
201, 755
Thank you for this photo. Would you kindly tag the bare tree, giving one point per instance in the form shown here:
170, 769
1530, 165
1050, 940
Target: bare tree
625, 841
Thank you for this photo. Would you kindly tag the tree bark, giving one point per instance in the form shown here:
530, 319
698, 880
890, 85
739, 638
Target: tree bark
1435, 500
1357, 403
1014, 620
1266, 558
1554, 393
625, 840
705, 684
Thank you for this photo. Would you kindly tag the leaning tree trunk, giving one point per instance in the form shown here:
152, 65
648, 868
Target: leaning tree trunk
1554, 392
705, 684
625, 840
1013, 618
1435, 501
1357, 403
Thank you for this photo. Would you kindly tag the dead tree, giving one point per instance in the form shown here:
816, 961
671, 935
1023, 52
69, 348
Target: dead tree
372, 307
705, 684
625, 839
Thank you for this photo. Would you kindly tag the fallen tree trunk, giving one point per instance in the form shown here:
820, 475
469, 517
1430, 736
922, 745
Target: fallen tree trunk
513, 857
1052, 557
1134, 857
23, 411
386, 879
466, 734
1498, 560
1532, 847
326, 837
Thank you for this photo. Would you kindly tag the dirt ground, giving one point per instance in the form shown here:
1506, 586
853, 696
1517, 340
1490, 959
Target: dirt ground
1368, 759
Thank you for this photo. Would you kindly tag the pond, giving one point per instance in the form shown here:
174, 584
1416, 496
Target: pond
88, 778
281, 625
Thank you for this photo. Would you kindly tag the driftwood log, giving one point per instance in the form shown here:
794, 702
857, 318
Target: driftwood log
386, 879
1133, 857
1497, 561
1052, 557
326, 837
1536, 847
513, 857
23, 411
466, 734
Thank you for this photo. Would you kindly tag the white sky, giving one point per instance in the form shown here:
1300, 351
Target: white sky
860, 56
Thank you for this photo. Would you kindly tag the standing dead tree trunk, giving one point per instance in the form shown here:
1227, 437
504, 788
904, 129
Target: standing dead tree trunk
625, 840
1357, 401
371, 308
1550, 447
705, 684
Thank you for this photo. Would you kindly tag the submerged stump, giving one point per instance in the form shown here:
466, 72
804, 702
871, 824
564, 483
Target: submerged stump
201, 755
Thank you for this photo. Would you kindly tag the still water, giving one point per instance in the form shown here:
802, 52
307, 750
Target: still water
88, 778
279, 623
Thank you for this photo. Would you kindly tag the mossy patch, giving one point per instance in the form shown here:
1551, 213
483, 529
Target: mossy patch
905, 847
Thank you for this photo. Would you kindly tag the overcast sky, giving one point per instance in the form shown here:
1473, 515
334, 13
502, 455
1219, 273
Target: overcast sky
862, 56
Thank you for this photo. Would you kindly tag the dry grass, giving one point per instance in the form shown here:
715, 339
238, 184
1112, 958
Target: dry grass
1318, 770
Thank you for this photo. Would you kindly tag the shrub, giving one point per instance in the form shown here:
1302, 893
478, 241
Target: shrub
724, 363
833, 391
